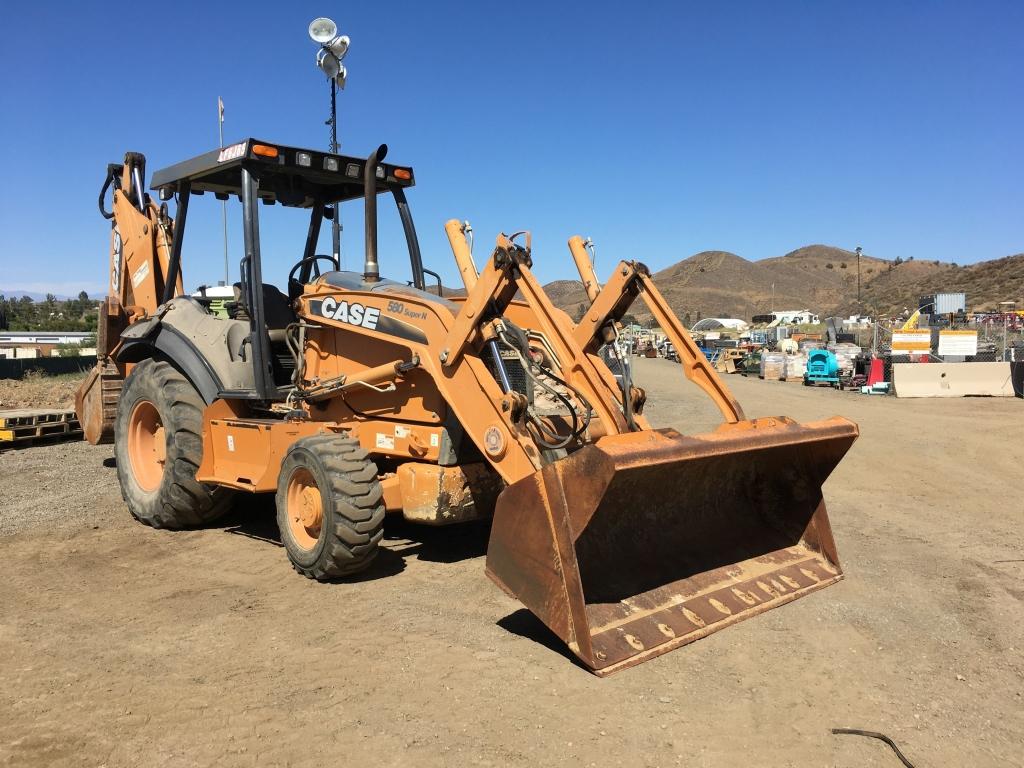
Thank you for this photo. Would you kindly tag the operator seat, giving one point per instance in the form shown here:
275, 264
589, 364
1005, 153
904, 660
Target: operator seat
277, 316
277, 310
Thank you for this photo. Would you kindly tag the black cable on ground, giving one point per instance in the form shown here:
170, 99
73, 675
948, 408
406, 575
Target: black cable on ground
881, 737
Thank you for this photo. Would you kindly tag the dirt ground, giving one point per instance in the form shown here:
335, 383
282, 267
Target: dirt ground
36, 390
125, 646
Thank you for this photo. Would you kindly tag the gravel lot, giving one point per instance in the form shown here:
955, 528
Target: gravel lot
125, 646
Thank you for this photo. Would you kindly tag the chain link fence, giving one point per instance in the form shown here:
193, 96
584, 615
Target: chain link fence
1000, 339
996, 341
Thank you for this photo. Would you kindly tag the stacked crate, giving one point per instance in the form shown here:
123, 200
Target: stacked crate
773, 366
846, 355
796, 366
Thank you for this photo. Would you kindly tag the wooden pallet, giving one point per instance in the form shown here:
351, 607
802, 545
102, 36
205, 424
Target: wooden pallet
28, 427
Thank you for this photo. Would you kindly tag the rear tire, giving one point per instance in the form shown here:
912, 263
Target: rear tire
158, 444
330, 508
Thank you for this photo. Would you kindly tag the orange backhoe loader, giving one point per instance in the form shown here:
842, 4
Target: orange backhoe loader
350, 395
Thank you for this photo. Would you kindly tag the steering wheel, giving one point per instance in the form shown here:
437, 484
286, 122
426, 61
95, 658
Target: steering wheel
294, 286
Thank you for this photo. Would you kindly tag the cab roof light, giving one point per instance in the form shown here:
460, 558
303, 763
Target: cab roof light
403, 173
264, 151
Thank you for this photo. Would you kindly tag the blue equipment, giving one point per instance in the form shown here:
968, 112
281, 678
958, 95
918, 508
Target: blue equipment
822, 368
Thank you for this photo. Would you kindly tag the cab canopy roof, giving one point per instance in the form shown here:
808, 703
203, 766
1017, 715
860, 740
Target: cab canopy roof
290, 176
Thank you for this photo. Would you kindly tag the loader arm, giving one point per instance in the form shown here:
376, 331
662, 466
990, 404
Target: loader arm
629, 281
507, 272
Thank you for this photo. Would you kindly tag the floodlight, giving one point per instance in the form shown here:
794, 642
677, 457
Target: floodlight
322, 30
338, 46
328, 62
340, 77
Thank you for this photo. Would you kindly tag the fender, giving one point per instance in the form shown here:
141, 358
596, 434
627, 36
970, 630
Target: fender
151, 339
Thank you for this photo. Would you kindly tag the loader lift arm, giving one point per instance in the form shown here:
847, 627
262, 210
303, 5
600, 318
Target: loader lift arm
506, 272
632, 280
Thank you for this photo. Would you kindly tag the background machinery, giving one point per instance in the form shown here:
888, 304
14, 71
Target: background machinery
822, 368
349, 395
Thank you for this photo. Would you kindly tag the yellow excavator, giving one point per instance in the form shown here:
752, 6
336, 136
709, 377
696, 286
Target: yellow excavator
349, 396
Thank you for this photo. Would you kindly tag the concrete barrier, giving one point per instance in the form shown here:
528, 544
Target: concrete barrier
952, 379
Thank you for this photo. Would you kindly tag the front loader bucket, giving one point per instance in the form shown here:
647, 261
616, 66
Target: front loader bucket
643, 542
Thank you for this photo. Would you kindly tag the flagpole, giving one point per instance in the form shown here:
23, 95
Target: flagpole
224, 203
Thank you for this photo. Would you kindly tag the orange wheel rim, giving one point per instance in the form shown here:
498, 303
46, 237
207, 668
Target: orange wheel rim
147, 445
305, 508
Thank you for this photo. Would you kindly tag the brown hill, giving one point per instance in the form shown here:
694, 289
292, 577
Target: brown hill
722, 284
986, 284
567, 294
821, 278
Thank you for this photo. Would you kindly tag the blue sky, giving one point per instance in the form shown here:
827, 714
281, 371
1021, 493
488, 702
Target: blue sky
658, 129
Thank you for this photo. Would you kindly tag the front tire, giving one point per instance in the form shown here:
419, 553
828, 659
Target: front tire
158, 444
330, 508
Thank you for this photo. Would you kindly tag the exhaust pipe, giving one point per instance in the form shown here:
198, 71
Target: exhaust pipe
371, 269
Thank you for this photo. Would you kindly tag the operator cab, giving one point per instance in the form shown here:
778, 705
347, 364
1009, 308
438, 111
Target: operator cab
253, 170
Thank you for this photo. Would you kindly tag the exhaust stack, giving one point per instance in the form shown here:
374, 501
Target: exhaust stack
371, 269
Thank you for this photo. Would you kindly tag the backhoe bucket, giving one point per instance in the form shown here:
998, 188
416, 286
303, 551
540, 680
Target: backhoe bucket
96, 402
643, 542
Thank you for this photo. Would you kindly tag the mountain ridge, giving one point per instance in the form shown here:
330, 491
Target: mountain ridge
819, 277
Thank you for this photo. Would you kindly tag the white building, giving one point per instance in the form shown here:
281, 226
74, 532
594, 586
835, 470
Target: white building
719, 324
26, 338
794, 316
23, 344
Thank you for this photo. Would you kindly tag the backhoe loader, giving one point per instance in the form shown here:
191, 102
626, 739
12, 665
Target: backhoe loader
349, 395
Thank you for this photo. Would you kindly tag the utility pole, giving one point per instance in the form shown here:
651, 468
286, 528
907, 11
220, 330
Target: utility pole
859, 306
223, 203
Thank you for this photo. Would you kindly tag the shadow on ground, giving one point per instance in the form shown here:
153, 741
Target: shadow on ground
254, 516
526, 625
444, 544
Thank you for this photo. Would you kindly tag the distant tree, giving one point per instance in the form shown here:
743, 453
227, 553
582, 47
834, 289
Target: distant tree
628, 319
829, 266
899, 260
581, 310
955, 265
687, 321
910, 258
842, 265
